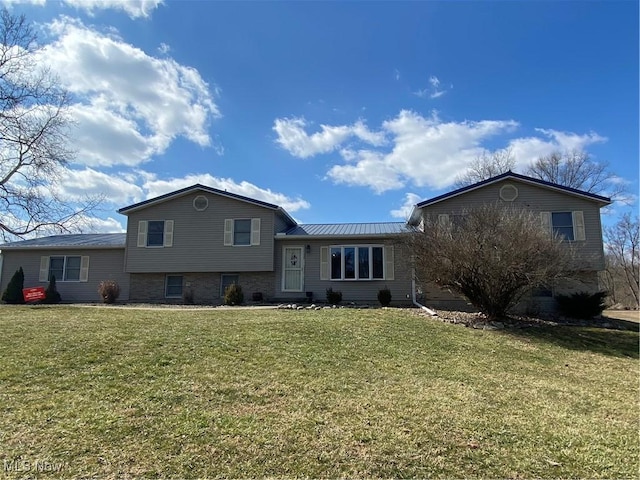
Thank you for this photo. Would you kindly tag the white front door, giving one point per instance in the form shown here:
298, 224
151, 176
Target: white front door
292, 269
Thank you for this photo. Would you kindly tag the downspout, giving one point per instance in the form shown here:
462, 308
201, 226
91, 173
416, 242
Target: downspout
415, 301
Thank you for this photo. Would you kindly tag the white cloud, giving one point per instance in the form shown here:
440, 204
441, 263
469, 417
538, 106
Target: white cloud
293, 137
434, 91
102, 225
410, 199
528, 149
124, 188
154, 187
422, 93
369, 169
117, 189
102, 137
10, 3
425, 151
130, 105
133, 8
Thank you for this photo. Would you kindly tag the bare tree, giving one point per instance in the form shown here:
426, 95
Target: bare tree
623, 257
485, 166
492, 254
576, 169
34, 149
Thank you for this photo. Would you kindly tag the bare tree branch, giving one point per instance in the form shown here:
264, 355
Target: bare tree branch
492, 254
622, 243
485, 166
34, 127
576, 169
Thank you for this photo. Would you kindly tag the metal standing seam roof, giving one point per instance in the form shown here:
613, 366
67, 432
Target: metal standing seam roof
80, 240
346, 229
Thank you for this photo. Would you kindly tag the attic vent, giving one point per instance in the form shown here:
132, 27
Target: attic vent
508, 193
200, 203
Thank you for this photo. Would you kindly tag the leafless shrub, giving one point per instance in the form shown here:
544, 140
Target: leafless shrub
493, 256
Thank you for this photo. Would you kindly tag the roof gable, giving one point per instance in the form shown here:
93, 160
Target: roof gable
601, 200
198, 187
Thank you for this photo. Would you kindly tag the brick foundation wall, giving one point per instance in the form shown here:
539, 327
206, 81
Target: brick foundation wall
150, 287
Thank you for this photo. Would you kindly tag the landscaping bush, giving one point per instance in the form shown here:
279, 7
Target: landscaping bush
13, 293
583, 305
187, 297
334, 298
109, 291
233, 295
493, 254
51, 293
384, 296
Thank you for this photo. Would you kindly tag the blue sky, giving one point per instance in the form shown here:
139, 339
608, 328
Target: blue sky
337, 111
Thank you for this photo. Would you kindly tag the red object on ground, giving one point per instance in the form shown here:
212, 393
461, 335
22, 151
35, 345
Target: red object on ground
32, 294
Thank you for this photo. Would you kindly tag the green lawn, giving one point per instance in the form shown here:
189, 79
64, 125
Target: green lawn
102, 392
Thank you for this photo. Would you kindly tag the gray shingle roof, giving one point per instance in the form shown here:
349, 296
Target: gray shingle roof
80, 240
346, 229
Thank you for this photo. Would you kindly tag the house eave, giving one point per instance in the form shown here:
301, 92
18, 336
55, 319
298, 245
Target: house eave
203, 188
64, 247
602, 201
338, 237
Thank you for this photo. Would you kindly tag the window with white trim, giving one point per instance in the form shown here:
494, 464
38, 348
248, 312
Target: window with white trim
241, 232
173, 286
358, 262
155, 233
562, 223
567, 225
66, 268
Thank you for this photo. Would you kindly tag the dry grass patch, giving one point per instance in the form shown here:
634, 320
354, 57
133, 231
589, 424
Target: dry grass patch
372, 393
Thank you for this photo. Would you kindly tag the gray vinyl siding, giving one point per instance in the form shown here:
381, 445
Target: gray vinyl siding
104, 264
198, 238
281, 224
589, 253
352, 291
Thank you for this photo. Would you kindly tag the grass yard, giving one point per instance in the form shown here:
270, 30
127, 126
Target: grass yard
113, 393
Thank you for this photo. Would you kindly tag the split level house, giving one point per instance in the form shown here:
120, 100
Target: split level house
196, 241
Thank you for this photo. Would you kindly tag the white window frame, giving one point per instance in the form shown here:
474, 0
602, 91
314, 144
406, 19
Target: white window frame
143, 234
166, 286
45, 268
229, 232
386, 267
577, 223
